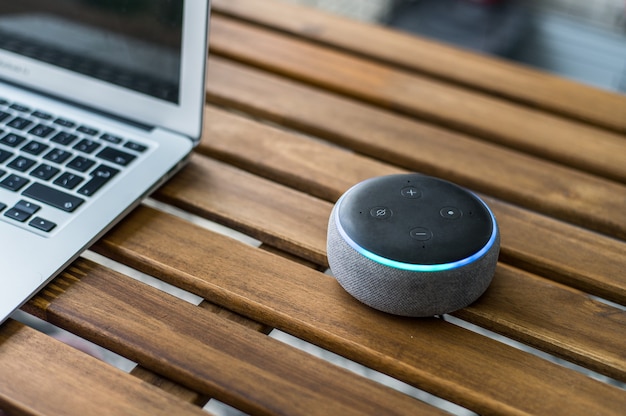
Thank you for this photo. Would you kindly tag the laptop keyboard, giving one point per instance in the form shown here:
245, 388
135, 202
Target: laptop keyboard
49, 162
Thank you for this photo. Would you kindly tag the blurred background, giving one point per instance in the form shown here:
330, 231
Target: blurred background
580, 39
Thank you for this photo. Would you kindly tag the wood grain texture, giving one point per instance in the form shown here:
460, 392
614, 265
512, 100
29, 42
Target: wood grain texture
489, 74
222, 193
582, 259
531, 182
313, 306
522, 306
532, 131
207, 353
42, 376
603, 354
177, 389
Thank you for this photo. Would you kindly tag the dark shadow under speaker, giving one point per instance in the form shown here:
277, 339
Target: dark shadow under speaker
412, 245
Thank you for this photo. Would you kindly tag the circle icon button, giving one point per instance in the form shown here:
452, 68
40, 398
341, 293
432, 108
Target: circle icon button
450, 213
421, 233
381, 213
410, 192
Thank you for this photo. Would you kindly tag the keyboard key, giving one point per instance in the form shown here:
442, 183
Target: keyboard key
19, 123
111, 139
2, 172
68, 180
19, 107
81, 164
41, 130
87, 146
21, 163
27, 207
42, 115
17, 215
57, 155
2, 206
64, 138
65, 123
4, 115
12, 140
35, 148
14, 183
4, 155
44, 172
42, 224
87, 130
99, 177
116, 156
135, 146
53, 197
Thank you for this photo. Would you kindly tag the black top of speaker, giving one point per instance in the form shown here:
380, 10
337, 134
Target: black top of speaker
415, 219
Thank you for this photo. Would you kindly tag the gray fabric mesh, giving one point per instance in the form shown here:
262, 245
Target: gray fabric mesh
404, 292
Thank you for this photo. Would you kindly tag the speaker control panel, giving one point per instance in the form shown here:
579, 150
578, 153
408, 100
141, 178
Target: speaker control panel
415, 219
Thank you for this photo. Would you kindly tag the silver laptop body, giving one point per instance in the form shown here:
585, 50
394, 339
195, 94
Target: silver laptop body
106, 99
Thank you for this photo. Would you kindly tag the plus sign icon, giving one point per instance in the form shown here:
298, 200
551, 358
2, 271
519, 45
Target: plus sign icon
410, 192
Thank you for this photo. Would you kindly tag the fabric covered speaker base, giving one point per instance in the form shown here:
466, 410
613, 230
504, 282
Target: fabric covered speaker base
408, 293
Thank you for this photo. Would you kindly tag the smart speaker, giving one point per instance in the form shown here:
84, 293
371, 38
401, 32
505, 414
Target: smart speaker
412, 245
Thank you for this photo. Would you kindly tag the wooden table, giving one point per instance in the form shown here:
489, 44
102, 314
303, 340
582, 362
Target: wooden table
300, 106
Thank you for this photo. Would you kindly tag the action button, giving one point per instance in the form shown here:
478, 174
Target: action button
421, 233
450, 213
14, 183
410, 192
381, 213
42, 224
27, 207
17, 215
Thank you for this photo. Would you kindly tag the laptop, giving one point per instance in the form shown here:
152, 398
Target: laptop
100, 103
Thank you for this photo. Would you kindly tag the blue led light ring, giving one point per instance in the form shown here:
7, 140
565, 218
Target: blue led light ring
419, 267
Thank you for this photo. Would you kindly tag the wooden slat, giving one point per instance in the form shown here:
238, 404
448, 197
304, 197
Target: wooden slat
582, 258
204, 352
313, 306
180, 391
522, 306
568, 254
177, 389
565, 141
39, 375
495, 76
531, 182
256, 215
550, 334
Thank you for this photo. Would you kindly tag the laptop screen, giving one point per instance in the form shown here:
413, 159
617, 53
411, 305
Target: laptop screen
135, 44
